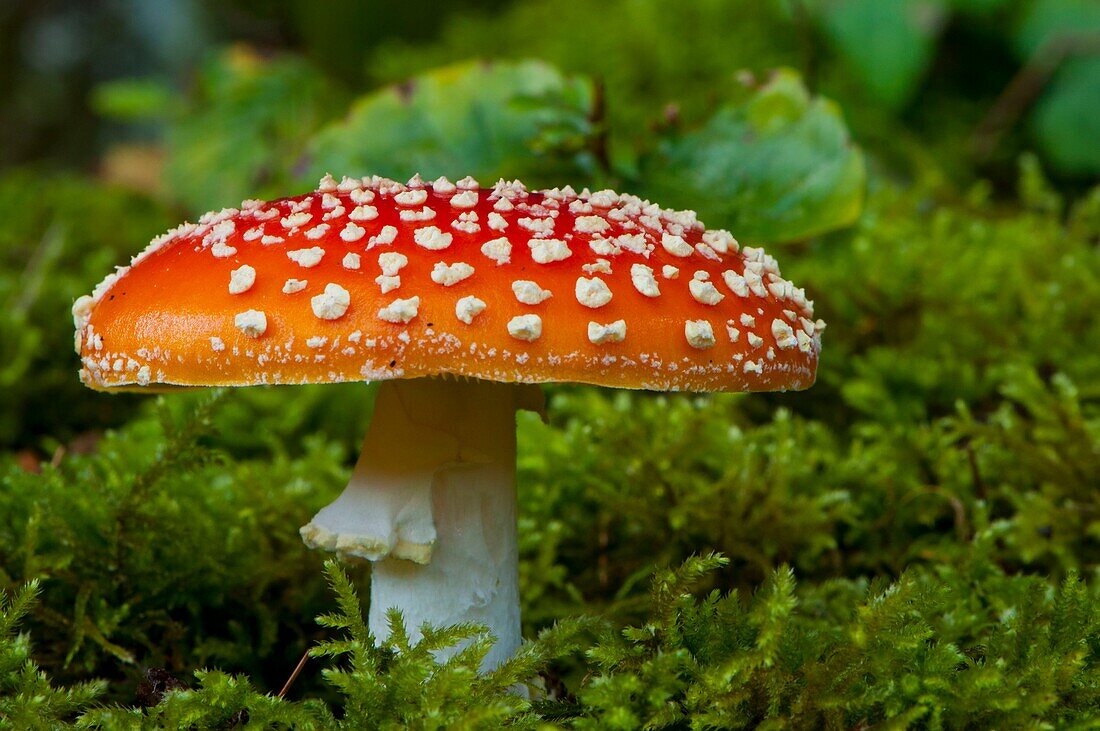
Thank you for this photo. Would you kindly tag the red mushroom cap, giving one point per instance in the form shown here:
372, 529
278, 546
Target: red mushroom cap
370, 279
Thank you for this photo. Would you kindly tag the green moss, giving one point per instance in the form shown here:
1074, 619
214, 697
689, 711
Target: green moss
912, 543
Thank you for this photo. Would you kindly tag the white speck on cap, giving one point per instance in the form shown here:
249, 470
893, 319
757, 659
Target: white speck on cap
467, 308
644, 281
307, 257
223, 226
359, 196
755, 341
545, 251
400, 311
269, 240
529, 293
241, 279
222, 250
736, 283
465, 199
253, 233
352, 232
468, 183
732, 331
351, 260
332, 303
442, 186
755, 284
705, 292
497, 222
784, 335
385, 237
387, 283
670, 272
604, 247
252, 323
430, 237
411, 197
363, 213
613, 332
499, 250
751, 367
591, 225
294, 220
317, 341
804, 341
541, 227
466, 223
720, 240
603, 198
317, 231
525, 327
508, 189
699, 334
592, 292
707, 253
748, 320
294, 285
600, 266
676, 245
424, 214
216, 344
82, 312
503, 205
451, 274
392, 262
634, 243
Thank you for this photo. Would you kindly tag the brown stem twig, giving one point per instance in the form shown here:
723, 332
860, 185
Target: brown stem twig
1027, 85
294, 675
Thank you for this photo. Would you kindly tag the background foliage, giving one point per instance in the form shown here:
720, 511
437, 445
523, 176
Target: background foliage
913, 543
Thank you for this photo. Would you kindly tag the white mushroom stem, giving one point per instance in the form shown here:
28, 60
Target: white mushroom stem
432, 502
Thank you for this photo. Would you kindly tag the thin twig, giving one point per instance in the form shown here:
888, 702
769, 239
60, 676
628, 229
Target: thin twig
600, 144
38, 267
1027, 85
294, 675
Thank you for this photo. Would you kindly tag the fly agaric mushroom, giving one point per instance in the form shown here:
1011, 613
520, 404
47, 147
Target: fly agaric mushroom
458, 299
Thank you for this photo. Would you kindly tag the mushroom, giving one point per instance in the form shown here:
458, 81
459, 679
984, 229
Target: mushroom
459, 300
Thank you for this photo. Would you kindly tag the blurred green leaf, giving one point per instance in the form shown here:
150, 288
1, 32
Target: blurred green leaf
889, 44
246, 127
648, 56
1049, 20
775, 164
134, 100
1065, 121
487, 120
